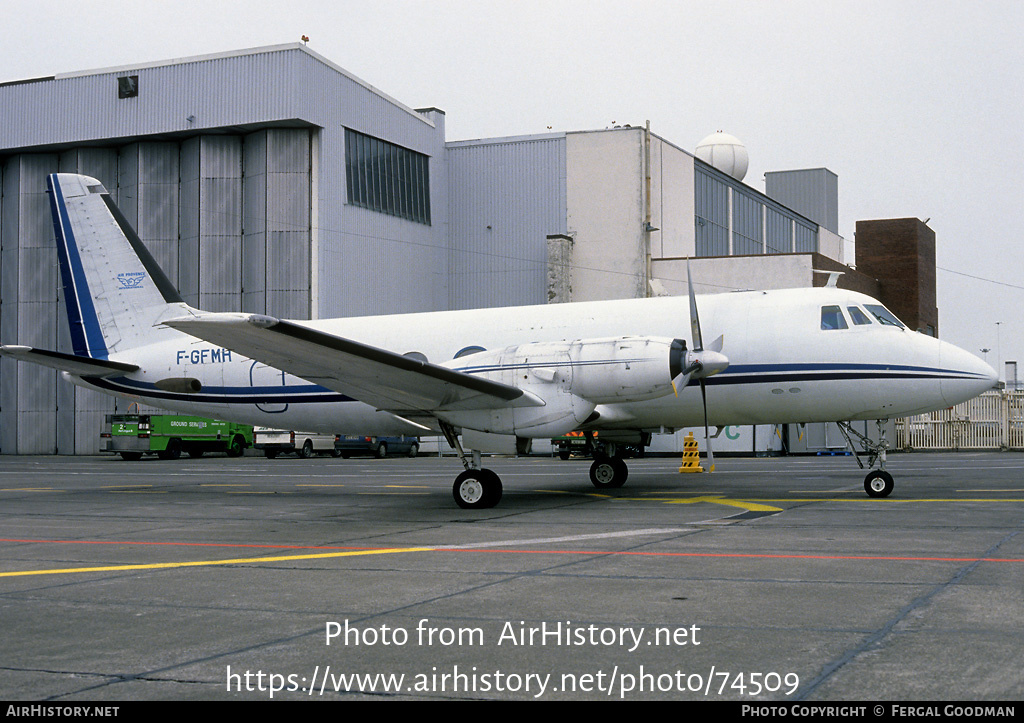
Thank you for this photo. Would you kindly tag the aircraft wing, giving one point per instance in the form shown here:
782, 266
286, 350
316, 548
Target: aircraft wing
382, 378
82, 366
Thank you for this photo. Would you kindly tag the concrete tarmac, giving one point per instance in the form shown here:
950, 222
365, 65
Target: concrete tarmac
250, 579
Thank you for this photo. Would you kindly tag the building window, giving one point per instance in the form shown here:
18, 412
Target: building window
806, 238
387, 178
712, 217
746, 224
127, 86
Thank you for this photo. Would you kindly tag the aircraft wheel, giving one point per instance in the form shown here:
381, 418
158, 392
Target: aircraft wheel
477, 489
608, 472
878, 483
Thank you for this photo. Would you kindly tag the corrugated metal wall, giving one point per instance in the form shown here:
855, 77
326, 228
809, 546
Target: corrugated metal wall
29, 292
186, 201
232, 169
506, 198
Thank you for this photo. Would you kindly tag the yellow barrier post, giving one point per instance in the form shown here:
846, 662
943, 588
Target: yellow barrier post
691, 455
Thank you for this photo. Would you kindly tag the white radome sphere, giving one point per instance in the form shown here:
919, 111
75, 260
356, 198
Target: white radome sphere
724, 152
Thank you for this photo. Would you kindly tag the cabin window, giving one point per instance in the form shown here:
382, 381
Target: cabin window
858, 316
884, 316
832, 318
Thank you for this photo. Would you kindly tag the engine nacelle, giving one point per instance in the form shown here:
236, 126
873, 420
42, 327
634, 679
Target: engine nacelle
572, 378
629, 368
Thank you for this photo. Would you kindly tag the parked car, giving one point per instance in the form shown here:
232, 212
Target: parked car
354, 444
287, 441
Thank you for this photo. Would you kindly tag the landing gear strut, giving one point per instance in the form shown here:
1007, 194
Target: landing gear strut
476, 488
878, 483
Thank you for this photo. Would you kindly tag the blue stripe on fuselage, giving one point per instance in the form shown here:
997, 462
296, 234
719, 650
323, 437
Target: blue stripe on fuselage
314, 393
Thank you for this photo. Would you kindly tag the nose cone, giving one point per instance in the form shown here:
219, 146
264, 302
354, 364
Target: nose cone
966, 376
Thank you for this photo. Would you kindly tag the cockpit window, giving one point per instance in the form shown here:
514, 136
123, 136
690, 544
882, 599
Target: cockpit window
884, 316
466, 351
858, 316
832, 318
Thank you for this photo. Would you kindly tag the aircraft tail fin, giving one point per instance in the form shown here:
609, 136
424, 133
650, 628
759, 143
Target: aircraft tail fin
113, 288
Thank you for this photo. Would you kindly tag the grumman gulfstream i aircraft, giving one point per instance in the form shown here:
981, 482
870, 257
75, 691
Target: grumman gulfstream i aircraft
621, 368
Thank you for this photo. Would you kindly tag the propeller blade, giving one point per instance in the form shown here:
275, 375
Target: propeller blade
706, 364
707, 433
698, 344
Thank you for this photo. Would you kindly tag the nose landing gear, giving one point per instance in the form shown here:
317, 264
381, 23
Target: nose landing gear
878, 483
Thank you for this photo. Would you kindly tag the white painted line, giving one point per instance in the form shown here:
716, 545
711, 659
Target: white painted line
567, 538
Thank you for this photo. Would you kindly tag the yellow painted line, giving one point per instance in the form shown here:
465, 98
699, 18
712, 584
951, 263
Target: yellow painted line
575, 494
411, 487
311, 485
269, 492
28, 489
714, 499
208, 563
108, 487
224, 484
1016, 490
392, 493
139, 492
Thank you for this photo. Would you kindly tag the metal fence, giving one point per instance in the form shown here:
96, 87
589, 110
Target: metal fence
994, 420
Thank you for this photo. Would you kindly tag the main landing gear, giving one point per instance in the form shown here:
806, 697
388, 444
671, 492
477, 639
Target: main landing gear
608, 470
476, 488
878, 483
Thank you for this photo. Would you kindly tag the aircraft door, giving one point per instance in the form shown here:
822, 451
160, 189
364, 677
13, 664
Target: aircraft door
271, 383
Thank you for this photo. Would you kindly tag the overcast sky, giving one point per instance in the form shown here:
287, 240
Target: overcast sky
918, 107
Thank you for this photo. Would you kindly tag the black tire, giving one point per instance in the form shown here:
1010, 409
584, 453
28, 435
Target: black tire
173, 450
131, 456
608, 472
196, 453
477, 489
236, 448
381, 451
271, 453
306, 451
564, 454
879, 483
414, 449
336, 453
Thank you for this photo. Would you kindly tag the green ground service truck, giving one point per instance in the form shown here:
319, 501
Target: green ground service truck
168, 435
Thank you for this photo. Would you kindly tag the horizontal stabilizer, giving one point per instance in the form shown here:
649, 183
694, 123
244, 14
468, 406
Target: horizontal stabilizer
382, 378
81, 366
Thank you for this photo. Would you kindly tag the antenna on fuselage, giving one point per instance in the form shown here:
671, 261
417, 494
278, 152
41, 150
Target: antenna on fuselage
833, 277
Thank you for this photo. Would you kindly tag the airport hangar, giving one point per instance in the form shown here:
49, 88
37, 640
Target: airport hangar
272, 181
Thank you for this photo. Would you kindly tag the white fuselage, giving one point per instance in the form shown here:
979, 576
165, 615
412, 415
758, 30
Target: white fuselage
783, 366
